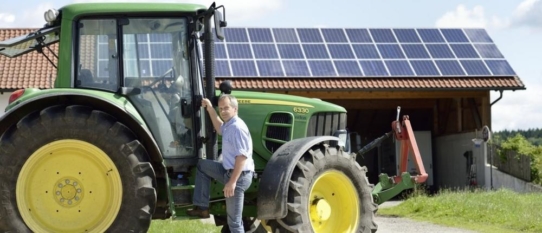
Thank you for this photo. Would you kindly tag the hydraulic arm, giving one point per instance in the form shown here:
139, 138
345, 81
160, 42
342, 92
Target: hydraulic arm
389, 187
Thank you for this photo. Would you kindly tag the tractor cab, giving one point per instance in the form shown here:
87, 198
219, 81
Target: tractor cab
153, 61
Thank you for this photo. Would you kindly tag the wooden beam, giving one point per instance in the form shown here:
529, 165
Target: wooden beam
435, 119
486, 112
385, 94
475, 113
387, 104
446, 109
459, 107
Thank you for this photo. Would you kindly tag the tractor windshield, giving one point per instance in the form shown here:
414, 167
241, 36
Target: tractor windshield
154, 58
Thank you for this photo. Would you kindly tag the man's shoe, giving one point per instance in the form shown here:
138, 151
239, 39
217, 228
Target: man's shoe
197, 212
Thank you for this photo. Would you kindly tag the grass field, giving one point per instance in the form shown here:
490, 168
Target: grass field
499, 211
188, 226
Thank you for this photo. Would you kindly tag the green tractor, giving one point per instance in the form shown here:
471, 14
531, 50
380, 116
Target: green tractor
114, 144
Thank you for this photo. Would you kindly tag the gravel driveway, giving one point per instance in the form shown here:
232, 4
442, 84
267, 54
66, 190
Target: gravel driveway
405, 225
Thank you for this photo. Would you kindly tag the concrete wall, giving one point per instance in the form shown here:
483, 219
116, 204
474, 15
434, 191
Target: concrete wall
450, 164
4, 97
503, 180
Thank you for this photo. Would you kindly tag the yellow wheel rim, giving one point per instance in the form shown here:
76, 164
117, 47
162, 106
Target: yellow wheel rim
333, 203
69, 186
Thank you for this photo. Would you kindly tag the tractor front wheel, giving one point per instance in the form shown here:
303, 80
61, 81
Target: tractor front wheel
328, 192
74, 169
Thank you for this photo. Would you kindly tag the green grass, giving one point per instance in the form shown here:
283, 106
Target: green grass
484, 211
182, 226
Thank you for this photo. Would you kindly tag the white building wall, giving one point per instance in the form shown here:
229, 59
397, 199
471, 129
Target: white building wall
450, 163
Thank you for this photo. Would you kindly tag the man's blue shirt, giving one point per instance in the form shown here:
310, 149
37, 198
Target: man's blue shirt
236, 140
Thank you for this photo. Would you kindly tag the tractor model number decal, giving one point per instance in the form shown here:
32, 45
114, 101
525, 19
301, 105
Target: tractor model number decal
301, 110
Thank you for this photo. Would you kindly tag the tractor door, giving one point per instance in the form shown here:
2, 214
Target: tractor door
150, 55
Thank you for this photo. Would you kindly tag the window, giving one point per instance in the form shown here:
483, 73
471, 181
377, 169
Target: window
98, 55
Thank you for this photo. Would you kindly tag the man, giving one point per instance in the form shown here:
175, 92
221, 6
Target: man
236, 169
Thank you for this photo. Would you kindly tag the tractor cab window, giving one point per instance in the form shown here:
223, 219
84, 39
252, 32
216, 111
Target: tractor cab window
98, 55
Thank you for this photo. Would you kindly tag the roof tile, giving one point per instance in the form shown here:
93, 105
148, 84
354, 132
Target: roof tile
337, 84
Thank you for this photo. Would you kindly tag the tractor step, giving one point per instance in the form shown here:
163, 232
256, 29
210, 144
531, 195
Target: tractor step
182, 195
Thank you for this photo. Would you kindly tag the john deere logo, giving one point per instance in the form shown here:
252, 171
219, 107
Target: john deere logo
301, 110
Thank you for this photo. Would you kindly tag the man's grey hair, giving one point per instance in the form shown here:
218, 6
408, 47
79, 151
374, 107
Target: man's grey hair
233, 100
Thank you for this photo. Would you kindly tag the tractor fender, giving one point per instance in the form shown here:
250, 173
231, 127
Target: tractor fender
275, 179
132, 121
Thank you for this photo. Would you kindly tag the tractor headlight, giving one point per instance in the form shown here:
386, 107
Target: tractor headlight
50, 16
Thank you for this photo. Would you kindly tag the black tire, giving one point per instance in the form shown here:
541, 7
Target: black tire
85, 125
313, 164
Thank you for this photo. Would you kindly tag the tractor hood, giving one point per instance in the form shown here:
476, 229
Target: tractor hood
259, 98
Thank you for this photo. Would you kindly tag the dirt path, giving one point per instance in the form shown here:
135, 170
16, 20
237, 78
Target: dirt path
405, 225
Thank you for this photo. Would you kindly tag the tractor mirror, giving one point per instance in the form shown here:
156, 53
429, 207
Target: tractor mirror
220, 24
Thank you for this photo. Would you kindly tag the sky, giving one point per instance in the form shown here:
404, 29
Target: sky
514, 25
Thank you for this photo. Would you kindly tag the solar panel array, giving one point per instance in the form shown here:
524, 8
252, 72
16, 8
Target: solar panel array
358, 52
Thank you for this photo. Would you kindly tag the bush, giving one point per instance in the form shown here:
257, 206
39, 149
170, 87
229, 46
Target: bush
521, 145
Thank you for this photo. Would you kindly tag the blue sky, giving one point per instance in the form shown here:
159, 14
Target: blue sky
514, 25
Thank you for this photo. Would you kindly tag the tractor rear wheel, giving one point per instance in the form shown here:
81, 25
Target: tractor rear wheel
328, 192
74, 169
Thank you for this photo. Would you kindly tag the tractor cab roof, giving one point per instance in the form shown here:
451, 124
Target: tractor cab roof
82, 9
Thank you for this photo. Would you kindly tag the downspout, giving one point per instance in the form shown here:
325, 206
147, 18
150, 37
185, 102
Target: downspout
494, 102
492, 151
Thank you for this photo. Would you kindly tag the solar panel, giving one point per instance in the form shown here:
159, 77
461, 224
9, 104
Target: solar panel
440, 51
263, 51
399, 68
315, 51
366, 51
239, 51
341, 51
454, 35
359, 36
355, 52
284, 35
382, 35
424, 68
310, 35
347, 68
260, 35
322, 68
415, 51
407, 36
288, 51
475, 67
270, 68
